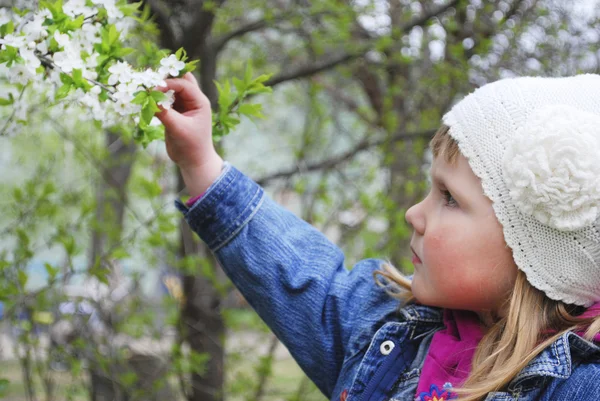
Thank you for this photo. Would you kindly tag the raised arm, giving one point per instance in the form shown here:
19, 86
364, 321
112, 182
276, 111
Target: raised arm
290, 273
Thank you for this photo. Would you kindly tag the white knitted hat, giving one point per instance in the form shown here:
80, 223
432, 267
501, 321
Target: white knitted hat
535, 145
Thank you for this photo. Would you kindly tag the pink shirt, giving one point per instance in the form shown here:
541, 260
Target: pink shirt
448, 362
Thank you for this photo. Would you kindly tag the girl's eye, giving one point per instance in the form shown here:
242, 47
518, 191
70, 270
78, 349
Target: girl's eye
449, 199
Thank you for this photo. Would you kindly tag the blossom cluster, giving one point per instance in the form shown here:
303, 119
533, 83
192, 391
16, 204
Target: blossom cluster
74, 51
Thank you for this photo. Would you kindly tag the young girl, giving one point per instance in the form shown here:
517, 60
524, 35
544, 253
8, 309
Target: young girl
504, 301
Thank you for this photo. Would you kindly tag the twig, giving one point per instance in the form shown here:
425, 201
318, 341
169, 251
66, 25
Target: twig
51, 64
9, 120
363, 145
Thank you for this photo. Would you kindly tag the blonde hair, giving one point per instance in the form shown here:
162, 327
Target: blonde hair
531, 321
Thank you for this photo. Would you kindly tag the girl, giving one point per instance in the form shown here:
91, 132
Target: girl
504, 301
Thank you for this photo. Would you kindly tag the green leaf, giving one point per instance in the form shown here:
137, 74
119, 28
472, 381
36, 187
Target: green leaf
9, 55
66, 78
252, 110
7, 28
248, 74
113, 34
198, 362
52, 271
100, 273
151, 188
155, 132
123, 52
191, 66
4, 383
158, 96
7, 102
140, 97
63, 91
130, 10
22, 277
77, 76
150, 108
75, 24
120, 253
240, 85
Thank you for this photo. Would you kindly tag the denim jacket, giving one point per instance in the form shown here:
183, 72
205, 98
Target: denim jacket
354, 341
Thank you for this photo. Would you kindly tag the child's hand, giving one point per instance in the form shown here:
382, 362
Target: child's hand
188, 134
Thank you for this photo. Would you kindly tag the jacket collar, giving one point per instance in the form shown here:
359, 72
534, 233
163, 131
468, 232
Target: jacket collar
422, 313
556, 359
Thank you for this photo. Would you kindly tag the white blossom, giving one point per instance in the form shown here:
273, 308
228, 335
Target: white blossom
34, 29
31, 60
170, 65
129, 88
62, 39
75, 8
21, 74
5, 15
551, 167
13, 41
123, 104
149, 78
167, 103
68, 60
120, 72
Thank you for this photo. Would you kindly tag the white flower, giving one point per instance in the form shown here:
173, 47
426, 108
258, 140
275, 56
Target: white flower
552, 169
129, 88
149, 78
4, 16
123, 104
68, 60
20, 74
34, 28
62, 39
170, 65
167, 103
74, 8
14, 41
31, 60
121, 72
42, 47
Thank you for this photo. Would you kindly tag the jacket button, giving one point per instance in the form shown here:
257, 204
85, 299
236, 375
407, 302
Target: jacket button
387, 347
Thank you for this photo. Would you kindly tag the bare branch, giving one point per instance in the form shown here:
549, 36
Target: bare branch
315, 68
327, 164
309, 70
219, 42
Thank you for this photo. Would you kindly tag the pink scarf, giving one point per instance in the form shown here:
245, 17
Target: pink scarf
448, 362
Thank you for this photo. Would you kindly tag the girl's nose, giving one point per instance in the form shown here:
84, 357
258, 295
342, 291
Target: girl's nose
416, 218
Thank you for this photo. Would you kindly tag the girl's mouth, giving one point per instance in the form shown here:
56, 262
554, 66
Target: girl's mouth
415, 258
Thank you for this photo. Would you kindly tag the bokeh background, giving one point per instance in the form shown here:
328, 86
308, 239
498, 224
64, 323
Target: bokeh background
107, 295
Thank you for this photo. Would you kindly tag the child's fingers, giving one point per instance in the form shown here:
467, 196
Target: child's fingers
187, 93
168, 117
190, 77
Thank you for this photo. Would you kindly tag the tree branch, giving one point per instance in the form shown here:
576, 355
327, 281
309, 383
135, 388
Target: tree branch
361, 146
309, 70
219, 42
312, 69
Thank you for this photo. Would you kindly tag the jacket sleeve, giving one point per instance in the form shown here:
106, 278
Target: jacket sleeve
290, 273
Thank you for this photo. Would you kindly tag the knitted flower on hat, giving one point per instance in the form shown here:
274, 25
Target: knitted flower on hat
535, 145
552, 168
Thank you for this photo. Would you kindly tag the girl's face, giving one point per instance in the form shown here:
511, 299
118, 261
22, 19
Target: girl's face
460, 257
